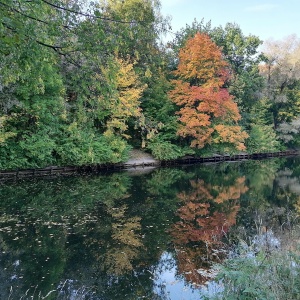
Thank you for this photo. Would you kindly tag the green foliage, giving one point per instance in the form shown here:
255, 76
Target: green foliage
164, 150
4, 135
260, 113
62, 89
159, 110
262, 138
264, 277
262, 135
185, 34
38, 149
78, 146
77, 78
240, 50
163, 182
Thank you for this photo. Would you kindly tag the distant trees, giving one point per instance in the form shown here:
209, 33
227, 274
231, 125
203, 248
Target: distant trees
281, 70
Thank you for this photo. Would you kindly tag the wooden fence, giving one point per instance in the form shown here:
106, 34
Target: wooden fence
236, 157
80, 170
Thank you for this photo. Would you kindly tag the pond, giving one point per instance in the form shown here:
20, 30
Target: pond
155, 234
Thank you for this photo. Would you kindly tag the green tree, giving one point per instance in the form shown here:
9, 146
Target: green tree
62, 89
242, 53
262, 135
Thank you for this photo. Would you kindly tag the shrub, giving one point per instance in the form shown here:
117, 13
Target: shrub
164, 150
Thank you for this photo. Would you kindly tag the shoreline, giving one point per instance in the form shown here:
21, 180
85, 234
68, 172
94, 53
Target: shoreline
138, 161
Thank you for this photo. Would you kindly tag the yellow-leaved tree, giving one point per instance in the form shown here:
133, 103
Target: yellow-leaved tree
123, 98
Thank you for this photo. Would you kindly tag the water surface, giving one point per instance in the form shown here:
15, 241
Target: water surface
127, 235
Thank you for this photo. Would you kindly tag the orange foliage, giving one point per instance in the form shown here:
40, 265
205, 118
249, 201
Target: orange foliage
201, 60
204, 219
192, 265
197, 222
231, 192
202, 100
232, 135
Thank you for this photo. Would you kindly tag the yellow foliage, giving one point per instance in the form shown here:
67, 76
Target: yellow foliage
126, 241
148, 73
4, 135
124, 100
231, 134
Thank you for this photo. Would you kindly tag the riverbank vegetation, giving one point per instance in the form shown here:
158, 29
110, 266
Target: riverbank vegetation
267, 268
84, 83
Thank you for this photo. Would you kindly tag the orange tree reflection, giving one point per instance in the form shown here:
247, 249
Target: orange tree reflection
206, 214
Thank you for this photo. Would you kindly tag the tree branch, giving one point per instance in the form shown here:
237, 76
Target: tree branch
57, 49
89, 15
28, 16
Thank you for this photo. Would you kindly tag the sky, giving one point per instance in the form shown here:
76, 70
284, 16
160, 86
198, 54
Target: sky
274, 19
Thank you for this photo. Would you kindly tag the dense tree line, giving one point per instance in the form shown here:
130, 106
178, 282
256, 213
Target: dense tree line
84, 82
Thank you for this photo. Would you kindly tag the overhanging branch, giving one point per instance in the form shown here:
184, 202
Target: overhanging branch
89, 15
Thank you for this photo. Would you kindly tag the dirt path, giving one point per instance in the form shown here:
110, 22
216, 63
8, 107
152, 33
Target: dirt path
138, 157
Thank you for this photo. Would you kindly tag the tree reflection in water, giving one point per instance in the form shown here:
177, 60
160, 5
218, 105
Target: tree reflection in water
207, 213
117, 236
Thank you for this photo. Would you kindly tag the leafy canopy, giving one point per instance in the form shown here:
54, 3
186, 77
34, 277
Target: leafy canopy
207, 111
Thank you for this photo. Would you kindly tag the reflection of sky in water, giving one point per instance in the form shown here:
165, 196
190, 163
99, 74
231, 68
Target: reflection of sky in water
171, 286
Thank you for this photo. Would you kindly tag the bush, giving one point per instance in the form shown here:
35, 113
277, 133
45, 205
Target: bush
89, 148
262, 138
164, 150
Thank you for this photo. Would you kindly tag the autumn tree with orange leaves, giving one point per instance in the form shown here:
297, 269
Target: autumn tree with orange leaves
207, 113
